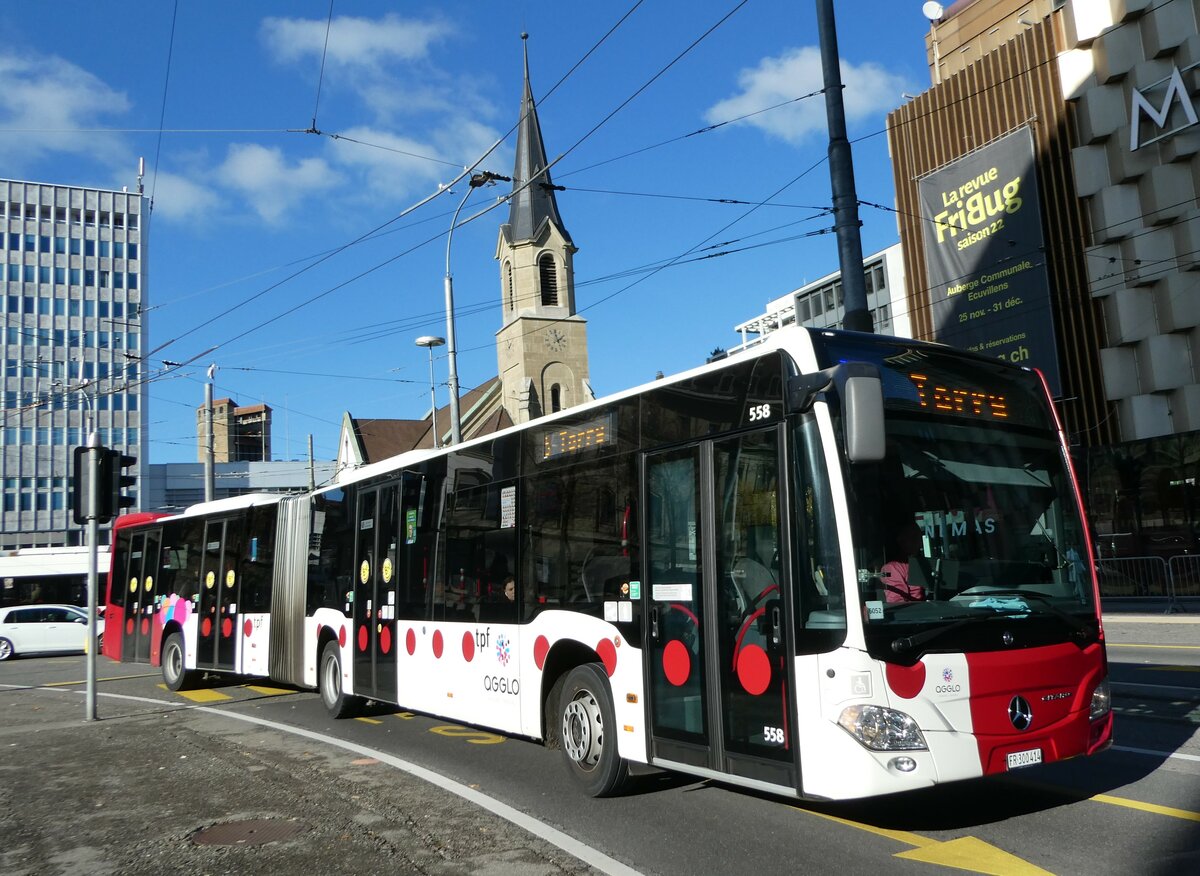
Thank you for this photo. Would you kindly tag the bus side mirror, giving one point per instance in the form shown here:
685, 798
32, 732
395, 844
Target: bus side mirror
862, 409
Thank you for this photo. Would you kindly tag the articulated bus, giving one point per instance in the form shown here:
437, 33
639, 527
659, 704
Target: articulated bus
50, 574
831, 566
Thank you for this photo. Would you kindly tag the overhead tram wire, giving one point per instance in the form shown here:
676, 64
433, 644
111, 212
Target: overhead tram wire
321, 74
491, 207
162, 114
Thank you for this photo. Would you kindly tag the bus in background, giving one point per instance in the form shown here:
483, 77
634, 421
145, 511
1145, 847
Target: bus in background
833, 566
48, 575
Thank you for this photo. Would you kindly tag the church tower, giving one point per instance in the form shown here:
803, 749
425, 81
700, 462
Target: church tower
541, 346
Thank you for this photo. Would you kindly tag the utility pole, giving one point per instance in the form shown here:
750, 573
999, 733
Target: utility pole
841, 176
209, 486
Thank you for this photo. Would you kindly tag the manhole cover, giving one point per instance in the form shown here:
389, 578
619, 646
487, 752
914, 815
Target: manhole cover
251, 832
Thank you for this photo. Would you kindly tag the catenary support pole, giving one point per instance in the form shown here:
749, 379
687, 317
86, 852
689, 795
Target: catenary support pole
841, 177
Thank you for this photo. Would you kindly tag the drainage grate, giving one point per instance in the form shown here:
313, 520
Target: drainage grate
251, 832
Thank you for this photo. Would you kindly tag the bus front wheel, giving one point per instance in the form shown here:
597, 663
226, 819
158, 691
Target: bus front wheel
338, 703
587, 732
174, 674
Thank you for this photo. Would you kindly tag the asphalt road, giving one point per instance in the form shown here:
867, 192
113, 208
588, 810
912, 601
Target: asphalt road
1133, 809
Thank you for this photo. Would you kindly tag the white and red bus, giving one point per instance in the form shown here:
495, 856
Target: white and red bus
834, 565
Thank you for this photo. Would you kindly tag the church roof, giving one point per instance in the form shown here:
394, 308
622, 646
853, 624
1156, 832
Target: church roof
531, 206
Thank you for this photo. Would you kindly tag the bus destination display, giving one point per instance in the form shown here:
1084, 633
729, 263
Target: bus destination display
939, 396
573, 439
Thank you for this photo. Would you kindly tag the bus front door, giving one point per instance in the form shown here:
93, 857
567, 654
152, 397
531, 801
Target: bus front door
216, 645
138, 582
375, 666
717, 631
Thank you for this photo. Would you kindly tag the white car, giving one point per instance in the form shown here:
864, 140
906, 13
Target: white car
42, 629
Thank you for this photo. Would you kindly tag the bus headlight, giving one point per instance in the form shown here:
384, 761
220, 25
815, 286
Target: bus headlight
881, 729
1101, 701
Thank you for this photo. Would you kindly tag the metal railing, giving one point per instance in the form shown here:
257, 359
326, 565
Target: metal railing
1149, 579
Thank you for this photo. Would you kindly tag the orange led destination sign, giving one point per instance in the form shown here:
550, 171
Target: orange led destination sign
958, 400
593, 433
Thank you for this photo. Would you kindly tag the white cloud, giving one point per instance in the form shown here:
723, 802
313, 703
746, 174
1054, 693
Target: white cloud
269, 182
178, 197
45, 95
870, 89
352, 41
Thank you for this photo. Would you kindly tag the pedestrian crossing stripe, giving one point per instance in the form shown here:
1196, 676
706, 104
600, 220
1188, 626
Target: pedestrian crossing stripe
267, 691
201, 696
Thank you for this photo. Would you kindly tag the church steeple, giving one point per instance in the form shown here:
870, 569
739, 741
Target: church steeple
541, 347
535, 204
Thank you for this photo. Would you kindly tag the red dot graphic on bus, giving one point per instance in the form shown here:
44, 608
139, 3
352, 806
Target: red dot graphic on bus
227, 627
906, 681
206, 627
342, 637
754, 669
410, 642
145, 626
608, 655
385, 640
248, 628
541, 647
129, 627
362, 638
468, 646
677, 662
437, 644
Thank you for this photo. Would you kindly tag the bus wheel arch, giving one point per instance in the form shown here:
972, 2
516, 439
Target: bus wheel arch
337, 702
562, 657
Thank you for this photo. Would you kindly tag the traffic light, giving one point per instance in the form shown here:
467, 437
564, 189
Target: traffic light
111, 479
114, 480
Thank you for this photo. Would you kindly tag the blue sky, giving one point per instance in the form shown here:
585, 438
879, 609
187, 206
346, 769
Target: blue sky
250, 212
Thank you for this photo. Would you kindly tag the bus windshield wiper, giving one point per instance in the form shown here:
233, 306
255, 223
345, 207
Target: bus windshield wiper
907, 643
1078, 627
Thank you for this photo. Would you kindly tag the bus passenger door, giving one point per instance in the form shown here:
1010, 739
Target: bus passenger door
718, 640
375, 594
139, 596
216, 644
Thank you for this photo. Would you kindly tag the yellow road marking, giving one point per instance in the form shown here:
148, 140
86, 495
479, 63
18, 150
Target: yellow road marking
1168, 647
267, 691
965, 853
201, 696
404, 716
368, 720
84, 681
1171, 668
1147, 807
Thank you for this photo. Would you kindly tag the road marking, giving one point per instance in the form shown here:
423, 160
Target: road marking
590, 856
84, 681
1152, 753
368, 720
203, 695
268, 691
1167, 647
1170, 811
965, 853
1170, 668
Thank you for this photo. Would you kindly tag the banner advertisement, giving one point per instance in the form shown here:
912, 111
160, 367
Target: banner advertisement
989, 290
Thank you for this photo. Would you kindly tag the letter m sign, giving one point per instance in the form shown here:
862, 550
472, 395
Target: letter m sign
1138, 105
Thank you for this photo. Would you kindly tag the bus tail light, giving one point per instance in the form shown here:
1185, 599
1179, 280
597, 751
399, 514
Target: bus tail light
882, 729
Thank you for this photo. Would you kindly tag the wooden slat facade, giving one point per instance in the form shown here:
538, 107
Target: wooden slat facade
1015, 85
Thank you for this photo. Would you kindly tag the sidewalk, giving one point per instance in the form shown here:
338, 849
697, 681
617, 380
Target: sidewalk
153, 791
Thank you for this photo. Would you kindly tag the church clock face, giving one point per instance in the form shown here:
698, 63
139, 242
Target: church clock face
556, 340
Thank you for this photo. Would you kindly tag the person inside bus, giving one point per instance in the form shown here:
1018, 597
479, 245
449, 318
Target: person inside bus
895, 572
510, 589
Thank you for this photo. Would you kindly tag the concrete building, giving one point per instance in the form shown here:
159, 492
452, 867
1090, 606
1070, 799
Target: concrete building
820, 304
172, 487
73, 269
240, 434
1101, 97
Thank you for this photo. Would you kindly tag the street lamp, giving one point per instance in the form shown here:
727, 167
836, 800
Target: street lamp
479, 179
429, 342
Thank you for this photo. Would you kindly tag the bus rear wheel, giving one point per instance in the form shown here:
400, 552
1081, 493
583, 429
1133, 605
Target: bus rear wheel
587, 732
175, 676
329, 681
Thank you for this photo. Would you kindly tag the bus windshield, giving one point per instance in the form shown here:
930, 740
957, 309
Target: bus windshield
969, 528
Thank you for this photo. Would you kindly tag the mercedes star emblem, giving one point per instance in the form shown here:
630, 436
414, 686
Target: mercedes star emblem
1020, 713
